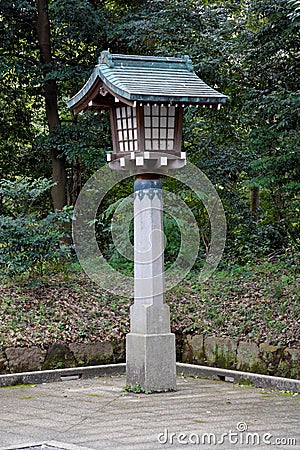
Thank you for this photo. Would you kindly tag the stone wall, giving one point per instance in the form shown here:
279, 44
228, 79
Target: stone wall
60, 356
241, 355
209, 351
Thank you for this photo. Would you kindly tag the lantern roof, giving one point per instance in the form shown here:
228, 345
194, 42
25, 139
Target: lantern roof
133, 78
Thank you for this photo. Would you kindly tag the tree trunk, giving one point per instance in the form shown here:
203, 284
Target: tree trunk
254, 201
50, 92
76, 180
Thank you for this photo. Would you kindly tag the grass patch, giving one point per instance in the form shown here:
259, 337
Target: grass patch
244, 382
18, 386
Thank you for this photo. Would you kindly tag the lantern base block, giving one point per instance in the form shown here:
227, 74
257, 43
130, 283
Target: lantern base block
147, 162
151, 361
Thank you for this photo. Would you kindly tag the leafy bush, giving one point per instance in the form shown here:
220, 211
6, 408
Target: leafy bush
28, 240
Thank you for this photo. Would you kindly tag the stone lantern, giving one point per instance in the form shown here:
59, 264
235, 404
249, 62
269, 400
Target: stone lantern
146, 96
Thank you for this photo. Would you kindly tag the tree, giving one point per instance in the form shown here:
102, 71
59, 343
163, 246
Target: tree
48, 47
51, 103
272, 109
248, 50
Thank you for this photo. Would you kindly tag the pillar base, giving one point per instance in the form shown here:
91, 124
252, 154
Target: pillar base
151, 361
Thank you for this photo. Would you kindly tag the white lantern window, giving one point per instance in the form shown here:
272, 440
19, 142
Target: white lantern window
126, 128
159, 126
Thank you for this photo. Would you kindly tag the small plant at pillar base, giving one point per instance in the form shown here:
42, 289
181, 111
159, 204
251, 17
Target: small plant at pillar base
135, 389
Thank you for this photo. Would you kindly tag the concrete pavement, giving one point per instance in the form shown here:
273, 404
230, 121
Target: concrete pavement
97, 413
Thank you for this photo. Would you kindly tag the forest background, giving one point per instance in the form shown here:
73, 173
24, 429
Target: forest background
248, 50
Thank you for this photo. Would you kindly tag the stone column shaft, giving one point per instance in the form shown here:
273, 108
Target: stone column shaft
150, 344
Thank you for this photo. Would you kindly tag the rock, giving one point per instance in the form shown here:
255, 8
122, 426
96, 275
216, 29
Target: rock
119, 346
271, 355
289, 365
23, 359
3, 363
59, 356
248, 358
92, 354
192, 349
220, 352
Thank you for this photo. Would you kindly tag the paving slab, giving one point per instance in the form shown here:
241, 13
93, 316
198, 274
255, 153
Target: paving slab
97, 413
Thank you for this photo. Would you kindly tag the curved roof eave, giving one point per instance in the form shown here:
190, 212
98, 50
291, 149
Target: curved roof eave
136, 78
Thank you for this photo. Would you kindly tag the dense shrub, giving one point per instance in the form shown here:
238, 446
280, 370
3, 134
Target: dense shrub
28, 239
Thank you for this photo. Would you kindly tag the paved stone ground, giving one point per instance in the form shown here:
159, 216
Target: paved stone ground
98, 414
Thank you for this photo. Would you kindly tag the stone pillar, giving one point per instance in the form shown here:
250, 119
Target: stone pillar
150, 346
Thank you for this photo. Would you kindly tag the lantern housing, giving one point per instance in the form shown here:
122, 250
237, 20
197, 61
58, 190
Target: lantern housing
146, 96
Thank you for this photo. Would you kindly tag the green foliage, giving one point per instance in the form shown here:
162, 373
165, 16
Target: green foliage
244, 382
135, 389
272, 109
80, 141
247, 50
19, 197
75, 45
29, 240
